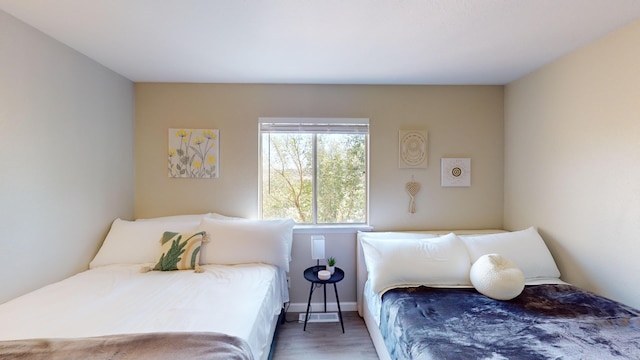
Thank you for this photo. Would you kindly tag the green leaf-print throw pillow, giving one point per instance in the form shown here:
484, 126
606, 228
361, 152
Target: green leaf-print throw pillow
180, 251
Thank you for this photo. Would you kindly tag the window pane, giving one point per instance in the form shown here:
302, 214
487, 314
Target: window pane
287, 176
341, 188
314, 170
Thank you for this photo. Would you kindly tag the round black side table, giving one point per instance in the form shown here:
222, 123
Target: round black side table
311, 274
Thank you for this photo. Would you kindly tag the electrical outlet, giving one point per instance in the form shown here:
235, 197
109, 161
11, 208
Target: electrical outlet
289, 282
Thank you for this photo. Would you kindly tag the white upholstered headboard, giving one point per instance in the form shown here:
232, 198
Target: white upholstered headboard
361, 269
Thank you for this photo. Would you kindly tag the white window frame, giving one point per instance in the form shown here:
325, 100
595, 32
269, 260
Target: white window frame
321, 125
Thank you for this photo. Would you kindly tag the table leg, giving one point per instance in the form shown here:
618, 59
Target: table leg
306, 318
325, 297
339, 311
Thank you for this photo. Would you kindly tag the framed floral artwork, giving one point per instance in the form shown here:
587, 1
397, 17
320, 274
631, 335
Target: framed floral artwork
194, 153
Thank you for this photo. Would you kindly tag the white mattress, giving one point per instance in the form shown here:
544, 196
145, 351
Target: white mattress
239, 300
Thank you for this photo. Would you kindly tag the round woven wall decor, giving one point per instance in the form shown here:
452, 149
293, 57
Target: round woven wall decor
413, 149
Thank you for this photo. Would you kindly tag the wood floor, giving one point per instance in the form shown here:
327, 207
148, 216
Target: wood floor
325, 340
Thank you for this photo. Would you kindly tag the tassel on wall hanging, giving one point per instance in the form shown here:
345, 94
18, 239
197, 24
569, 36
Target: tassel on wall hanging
412, 188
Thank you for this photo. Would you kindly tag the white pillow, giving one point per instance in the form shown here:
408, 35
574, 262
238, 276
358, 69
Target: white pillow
496, 277
525, 248
247, 241
135, 242
394, 235
437, 261
178, 218
223, 217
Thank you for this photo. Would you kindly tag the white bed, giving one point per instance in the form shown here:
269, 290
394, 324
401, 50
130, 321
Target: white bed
368, 301
237, 292
482, 294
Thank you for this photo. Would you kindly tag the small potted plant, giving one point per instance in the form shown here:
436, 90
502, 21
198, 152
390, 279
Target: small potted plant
331, 264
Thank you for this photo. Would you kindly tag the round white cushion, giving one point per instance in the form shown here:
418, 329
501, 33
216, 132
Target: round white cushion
497, 277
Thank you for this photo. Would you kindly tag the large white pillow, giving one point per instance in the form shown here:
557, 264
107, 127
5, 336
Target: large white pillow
192, 217
247, 241
525, 248
224, 217
436, 261
135, 242
196, 218
394, 235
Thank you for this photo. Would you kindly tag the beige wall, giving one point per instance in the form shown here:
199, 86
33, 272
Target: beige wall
66, 129
463, 121
572, 162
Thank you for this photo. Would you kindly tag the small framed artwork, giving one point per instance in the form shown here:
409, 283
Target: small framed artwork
455, 172
194, 153
413, 149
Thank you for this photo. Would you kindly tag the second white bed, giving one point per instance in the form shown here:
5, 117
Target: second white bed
239, 300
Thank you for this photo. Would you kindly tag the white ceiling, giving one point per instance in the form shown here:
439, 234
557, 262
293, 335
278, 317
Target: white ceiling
325, 41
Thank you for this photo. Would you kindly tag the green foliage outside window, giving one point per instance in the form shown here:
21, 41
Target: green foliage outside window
288, 177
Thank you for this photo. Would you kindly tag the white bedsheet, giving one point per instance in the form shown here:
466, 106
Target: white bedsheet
239, 300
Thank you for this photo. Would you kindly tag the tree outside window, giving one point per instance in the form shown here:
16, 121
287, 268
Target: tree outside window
314, 173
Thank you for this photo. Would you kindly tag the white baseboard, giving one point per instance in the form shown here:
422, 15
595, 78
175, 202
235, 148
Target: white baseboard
319, 307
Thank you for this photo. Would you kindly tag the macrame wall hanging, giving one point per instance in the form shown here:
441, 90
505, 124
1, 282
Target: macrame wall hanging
412, 188
413, 154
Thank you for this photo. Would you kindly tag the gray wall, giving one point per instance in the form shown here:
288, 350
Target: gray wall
66, 129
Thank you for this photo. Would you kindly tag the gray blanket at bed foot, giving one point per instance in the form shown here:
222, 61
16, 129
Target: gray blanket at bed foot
157, 346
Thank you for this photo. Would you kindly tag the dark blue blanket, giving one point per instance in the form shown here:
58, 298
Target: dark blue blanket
544, 322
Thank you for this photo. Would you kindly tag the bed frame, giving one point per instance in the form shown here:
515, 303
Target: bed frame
281, 318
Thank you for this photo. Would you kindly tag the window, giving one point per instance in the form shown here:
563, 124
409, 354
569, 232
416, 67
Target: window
314, 170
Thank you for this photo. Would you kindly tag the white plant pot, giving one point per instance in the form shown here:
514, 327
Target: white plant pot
331, 269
